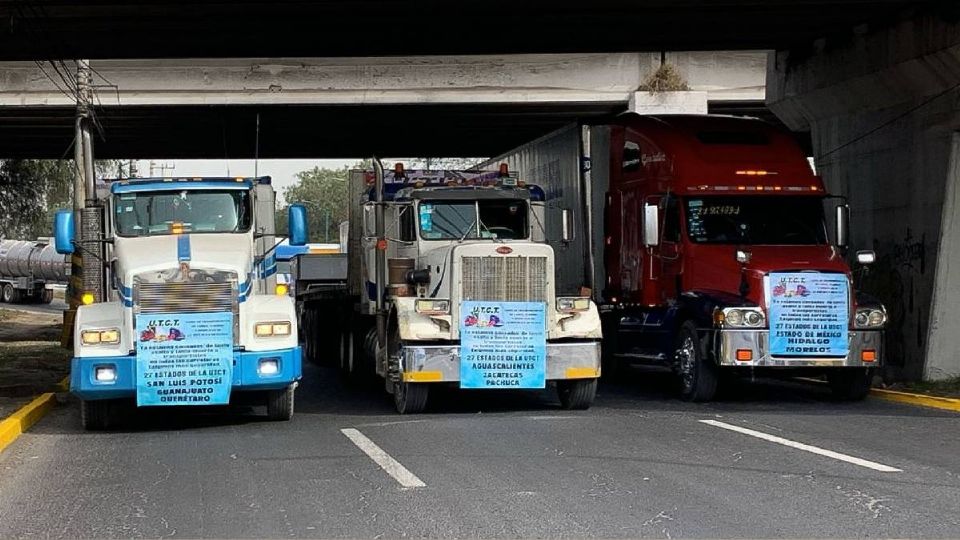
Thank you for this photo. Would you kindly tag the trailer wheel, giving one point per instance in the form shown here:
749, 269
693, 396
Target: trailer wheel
7, 296
850, 384
577, 394
100, 414
280, 403
46, 296
697, 373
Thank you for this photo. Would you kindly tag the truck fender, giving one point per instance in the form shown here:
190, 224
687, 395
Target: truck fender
102, 316
417, 327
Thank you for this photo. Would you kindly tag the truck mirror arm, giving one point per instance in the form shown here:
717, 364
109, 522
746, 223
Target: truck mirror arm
79, 244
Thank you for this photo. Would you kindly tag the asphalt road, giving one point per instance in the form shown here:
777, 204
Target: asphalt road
638, 464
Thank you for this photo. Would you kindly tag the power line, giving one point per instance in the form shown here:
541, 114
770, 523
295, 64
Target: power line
893, 120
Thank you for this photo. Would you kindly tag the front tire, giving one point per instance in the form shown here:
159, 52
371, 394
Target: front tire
850, 384
698, 374
280, 403
410, 398
577, 394
99, 415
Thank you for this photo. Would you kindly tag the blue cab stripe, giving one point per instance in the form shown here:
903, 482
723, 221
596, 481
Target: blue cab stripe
183, 247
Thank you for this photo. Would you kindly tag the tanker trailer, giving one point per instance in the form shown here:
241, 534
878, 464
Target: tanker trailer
28, 269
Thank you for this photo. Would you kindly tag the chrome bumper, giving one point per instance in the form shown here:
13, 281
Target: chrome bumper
441, 363
756, 341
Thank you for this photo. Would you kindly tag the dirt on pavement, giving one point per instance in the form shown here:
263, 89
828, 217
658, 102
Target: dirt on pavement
31, 359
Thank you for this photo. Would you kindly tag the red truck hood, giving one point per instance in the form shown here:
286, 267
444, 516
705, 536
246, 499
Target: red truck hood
723, 271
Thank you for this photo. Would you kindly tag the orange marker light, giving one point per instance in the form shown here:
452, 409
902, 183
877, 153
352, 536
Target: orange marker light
868, 355
744, 355
382, 245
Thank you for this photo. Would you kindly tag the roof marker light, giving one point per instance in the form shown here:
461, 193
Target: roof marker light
777, 188
741, 188
813, 188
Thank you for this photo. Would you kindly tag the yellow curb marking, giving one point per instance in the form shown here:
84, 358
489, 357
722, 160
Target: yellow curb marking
14, 425
948, 404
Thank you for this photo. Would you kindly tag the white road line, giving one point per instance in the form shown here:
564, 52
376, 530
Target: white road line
805, 447
392, 467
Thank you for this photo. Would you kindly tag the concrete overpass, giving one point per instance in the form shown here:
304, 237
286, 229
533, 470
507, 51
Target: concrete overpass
335, 107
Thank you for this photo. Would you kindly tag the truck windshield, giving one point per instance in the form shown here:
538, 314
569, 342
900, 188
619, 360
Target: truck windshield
443, 220
152, 213
756, 220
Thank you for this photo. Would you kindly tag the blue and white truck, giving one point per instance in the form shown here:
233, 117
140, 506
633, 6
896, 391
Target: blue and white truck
193, 313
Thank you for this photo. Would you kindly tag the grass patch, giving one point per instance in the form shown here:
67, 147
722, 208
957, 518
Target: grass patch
945, 388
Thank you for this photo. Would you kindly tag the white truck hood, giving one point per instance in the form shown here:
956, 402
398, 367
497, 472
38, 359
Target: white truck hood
221, 252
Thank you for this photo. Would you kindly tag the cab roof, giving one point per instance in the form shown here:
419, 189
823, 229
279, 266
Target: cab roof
132, 185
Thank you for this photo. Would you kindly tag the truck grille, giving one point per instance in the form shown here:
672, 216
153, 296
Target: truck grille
505, 279
185, 297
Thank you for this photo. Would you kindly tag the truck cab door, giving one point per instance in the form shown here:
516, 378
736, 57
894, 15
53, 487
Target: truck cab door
670, 251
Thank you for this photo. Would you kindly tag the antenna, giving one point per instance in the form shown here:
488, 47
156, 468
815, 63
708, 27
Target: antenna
256, 150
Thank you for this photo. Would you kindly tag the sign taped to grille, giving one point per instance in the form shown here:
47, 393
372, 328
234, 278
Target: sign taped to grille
808, 314
184, 358
503, 345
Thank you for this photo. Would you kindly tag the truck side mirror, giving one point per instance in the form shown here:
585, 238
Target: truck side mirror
63, 231
297, 224
843, 226
566, 220
651, 224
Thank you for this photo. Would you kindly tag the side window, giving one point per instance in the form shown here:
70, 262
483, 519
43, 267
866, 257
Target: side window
631, 156
408, 225
671, 220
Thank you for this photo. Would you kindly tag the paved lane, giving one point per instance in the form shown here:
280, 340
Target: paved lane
495, 465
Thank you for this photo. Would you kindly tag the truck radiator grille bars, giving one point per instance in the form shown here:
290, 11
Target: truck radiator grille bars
505, 279
185, 297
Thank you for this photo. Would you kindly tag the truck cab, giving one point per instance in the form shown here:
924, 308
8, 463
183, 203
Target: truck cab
718, 257
192, 314
455, 244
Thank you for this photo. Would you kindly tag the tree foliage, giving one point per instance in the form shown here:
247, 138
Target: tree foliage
32, 190
324, 193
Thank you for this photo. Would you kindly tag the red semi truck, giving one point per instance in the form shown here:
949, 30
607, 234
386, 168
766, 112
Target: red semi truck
704, 241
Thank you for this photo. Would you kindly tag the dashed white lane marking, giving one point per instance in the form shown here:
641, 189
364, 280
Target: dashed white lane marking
805, 447
391, 466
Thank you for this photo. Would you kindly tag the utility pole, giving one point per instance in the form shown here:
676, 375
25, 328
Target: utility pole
84, 206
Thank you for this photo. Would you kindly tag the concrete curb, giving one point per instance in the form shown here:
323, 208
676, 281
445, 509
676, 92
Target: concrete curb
14, 425
935, 402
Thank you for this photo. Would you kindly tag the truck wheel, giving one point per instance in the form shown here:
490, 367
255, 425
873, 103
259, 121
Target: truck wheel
7, 296
280, 403
46, 296
850, 384
577, 394
99, 415
17, 296
410, 398
698, 374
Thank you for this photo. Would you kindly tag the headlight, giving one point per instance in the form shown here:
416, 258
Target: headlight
276, 328
109, 336
426, 306
870, 318
741, 318
573, 304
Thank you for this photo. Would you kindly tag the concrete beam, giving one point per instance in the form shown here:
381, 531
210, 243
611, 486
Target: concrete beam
563, 78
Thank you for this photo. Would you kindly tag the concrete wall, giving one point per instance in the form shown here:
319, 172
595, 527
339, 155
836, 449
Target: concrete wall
883, 108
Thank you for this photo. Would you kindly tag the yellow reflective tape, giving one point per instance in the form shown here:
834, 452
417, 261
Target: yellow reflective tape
582, 373
422, 376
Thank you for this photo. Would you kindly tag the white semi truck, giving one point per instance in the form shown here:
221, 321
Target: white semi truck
447, 279
193, 314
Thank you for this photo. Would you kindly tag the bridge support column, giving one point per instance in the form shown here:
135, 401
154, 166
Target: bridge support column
883, 109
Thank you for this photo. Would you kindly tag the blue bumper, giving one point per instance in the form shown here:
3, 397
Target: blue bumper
245, 376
